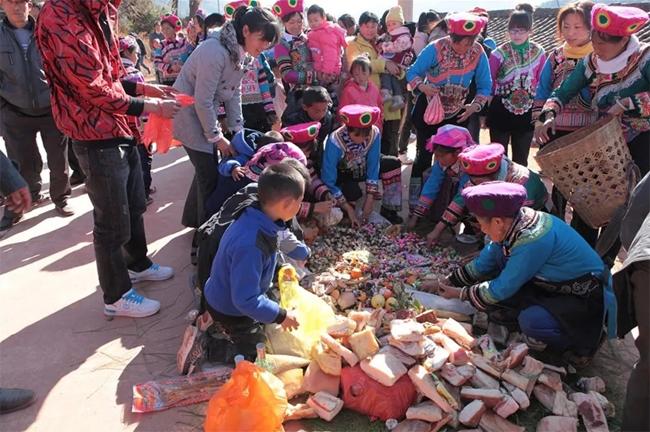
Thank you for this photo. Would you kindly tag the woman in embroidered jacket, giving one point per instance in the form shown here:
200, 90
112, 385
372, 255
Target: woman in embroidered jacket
353, 155
574, 28
446, 68
175, 50
484, 163
515, 66
617, 75
536, 274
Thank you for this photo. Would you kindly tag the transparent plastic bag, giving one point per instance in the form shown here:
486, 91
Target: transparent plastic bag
313, 314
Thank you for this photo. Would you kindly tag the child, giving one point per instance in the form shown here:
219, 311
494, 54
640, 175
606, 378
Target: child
326, 41
484, 163
175, 49
444, 180
314, 106
318, 199
516, 67
243, 270
264, 151
258, 109
360, 90
129, 53
353, 155
396, 45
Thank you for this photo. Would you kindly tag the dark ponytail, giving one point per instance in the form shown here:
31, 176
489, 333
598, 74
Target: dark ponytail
211, 21
258, 20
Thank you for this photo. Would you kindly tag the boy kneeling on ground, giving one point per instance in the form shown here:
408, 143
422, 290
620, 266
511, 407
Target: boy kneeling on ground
243, 270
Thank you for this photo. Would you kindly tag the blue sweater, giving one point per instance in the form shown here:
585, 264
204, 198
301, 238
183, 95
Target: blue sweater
243, 269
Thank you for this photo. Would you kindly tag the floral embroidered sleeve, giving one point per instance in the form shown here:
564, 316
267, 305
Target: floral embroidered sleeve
429, 190
569, 89
287, 71
544, 87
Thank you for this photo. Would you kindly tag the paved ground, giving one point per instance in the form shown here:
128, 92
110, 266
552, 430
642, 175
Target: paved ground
55, 340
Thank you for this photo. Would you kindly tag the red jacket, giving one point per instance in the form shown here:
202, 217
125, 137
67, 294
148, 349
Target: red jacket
353, 94
82, 64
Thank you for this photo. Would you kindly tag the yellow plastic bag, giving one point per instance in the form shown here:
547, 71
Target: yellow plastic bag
252, 400
313, 314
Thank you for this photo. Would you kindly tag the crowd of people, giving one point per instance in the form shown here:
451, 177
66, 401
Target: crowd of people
294, 110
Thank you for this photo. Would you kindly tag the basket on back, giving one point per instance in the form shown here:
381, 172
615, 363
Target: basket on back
593, 169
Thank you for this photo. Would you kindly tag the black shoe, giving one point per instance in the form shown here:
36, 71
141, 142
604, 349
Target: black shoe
8, 221
15, 399
76, 179
64, 209
391, 216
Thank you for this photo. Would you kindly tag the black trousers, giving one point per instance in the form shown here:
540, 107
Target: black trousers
407, 124
20, 138
640, 151
146, 160
520, 142
233, 335
203, 183
389, 137
114, 185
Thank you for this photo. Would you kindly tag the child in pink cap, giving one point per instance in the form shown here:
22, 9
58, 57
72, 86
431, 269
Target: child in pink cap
444, 179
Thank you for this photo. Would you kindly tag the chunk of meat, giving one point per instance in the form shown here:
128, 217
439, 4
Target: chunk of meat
299, 411
557, 424
485, 364
518, 395
520, 381
425, 384
428, 316
472, 413
437, 359
457, 332
483, 380
342, 327
412, 426
425, 411
325, 405
364, 344
406, 330
457, 376
551, 379
457, 355
316, 380
415, 349
491, 397
334, 345
406, 359
491, 422
591, 412
360, 317
329, 361
384, 368
515, 354
507, 407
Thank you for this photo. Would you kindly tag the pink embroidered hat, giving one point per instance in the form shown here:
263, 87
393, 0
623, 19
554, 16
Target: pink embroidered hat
359, 116
465, 23
480, 160
302, 133
127, 42
173, 21
270, 155
282, 8
452, 136
230, 8
617, 20
494, 199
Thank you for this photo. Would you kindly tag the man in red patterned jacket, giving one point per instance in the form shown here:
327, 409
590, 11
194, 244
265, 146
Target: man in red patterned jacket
90, 104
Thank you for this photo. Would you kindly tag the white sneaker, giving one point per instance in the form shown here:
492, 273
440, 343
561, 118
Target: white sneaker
132, 305
154, 273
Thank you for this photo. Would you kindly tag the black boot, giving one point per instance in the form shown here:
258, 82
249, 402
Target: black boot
391, 216
13, 399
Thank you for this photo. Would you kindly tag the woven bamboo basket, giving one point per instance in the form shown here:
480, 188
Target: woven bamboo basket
593, 169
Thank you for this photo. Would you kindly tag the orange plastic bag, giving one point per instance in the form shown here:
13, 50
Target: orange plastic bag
434, 113
252, 400
160, 130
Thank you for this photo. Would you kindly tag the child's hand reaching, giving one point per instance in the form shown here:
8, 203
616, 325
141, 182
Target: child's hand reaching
237, 173
290, 322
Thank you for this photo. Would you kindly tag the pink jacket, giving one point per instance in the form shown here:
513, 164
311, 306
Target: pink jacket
397, 46
353, 94
327, 44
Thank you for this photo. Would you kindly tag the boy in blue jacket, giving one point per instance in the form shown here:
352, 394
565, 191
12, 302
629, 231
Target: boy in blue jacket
243, 270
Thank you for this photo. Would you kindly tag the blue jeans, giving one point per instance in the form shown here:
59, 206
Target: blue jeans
114, 185
538, 323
